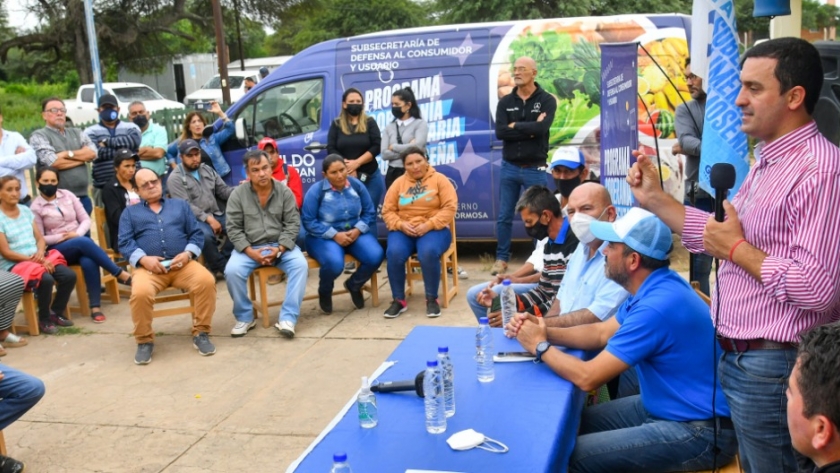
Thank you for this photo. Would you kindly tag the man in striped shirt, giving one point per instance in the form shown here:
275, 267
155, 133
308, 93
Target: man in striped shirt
780, 244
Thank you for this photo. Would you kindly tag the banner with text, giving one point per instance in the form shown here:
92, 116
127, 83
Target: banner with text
619, 120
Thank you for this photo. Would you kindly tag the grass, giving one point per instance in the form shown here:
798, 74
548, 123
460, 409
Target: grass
487, 260
72, 331
21, 104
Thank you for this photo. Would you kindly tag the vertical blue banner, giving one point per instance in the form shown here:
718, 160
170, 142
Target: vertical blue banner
619, 120
723, 140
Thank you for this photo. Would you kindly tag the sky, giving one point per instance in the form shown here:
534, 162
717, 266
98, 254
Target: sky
18, 17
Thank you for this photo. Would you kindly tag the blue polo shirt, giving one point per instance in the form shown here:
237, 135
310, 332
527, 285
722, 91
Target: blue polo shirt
586, 286
667, 334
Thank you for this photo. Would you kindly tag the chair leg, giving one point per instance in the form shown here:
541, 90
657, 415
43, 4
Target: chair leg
112, 290
81, 294
3, 444
252, 293
444, 283
30, 312
374, 290
264, 299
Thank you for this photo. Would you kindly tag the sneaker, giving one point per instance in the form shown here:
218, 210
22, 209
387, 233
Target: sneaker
461, 273
325, 302
144, 353
498, 267
349, 267
397, 308
48, 327
286, 328
432, 308
10, 465
357, 296
60, 320
203, 344
242, 328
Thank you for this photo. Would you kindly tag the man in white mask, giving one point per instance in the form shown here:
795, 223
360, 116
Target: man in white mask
586, 295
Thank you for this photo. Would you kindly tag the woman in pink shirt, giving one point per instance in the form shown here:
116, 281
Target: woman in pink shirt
63, 221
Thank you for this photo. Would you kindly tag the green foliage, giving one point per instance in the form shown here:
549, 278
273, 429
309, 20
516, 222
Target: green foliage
817, 16
21, 103
744, 20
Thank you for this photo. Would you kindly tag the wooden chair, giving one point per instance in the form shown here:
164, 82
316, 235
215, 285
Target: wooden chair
259, 278
30, 313
112, 292
3, 444
168, 296
101, 231
448, 260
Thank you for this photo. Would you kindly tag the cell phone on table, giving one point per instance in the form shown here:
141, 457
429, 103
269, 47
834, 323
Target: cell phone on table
514, 354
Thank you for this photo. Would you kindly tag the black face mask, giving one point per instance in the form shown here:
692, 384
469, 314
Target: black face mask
141, 120
48, 190
354, 109
566, 186
538, 231
397, 112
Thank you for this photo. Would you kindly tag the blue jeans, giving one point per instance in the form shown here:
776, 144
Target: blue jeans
375, 186
480, 310
514, 181
330, 255
754, 383
240, 266
87, 204
428, 247
622, 436
19, 392
214, 259
87, 254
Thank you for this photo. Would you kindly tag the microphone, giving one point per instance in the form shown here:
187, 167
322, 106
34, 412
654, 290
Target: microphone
397, 386
721, 179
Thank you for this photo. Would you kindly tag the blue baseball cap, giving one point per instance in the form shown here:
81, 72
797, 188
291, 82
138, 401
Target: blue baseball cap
187, 145
567, 156
639, 229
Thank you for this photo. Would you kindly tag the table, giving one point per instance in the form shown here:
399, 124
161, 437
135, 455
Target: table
527, 407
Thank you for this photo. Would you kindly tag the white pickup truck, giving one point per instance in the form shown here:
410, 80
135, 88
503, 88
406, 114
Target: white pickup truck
84, 110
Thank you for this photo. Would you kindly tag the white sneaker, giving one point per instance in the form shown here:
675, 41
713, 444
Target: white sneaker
241, 328
286, 328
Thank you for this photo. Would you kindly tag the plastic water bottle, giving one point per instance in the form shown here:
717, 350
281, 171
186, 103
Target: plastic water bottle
366, 402
448, 372
340, 464
508, 298
433, 399
484, 351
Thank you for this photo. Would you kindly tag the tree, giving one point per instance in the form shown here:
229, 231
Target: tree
756, 28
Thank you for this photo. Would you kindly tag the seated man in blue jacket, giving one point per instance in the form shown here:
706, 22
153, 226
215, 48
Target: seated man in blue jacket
663, 330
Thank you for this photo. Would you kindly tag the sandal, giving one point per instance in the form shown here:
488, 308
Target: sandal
98, 317
127, 282
14, 341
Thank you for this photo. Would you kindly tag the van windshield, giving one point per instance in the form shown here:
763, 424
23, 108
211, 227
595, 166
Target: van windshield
216, 82
130, 94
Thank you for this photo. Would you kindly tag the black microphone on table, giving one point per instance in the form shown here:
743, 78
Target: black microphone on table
721, 179
396, 386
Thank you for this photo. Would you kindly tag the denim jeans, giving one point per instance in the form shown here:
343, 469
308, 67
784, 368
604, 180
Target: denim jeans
87, 204
19, 392
375, 185
622, 436
428, 247
514, 181
754, 383
240, 266
330, 255
214, 259
481, 311
701, 263
87, 254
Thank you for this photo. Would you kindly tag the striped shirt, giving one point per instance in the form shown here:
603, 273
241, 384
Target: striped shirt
788, 207
556, 255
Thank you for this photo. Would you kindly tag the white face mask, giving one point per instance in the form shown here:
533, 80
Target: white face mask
469, 439
580, 226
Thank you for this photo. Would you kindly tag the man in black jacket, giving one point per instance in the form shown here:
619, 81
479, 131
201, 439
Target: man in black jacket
523, 121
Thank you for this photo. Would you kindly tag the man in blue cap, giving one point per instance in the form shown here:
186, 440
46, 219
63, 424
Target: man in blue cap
665, 332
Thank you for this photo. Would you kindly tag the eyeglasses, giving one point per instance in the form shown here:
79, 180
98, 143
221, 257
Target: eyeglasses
56, 110
149, 185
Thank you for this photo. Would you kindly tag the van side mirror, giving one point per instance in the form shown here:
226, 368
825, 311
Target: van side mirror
240, 130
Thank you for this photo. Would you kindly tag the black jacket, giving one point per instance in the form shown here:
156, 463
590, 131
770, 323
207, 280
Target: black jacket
114, 197
526, 144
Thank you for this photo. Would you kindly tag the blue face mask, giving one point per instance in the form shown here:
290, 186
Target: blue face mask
109, 115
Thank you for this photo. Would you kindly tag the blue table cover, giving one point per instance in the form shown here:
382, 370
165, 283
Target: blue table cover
527, 407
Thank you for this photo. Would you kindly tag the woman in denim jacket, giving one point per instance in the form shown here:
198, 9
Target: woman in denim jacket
338, 216
210, 143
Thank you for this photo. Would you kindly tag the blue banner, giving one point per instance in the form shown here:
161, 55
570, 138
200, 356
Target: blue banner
723, 140
619, 120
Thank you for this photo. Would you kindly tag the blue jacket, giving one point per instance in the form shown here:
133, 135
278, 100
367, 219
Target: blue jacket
326, 211
107, 142
211, 146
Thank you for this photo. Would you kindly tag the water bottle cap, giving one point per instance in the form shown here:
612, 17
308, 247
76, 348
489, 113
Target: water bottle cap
340, 457
431, 363
365, 382
483, 321
506, 282
443, 349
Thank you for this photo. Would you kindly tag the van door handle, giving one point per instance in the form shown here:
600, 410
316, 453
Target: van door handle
497, 147
315, 146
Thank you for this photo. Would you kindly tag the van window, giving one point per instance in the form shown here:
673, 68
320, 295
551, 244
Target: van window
234, 82
87, 95
285, 110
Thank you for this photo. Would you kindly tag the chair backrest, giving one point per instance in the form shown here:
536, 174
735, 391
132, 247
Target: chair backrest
101, 228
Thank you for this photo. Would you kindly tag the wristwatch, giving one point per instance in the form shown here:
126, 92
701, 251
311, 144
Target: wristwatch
70, 154
542, 347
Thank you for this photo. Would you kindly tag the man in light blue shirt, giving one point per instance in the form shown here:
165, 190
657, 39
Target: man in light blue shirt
16, 156
586, 295
153, 141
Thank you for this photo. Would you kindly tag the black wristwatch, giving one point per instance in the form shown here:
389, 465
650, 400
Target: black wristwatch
542, 347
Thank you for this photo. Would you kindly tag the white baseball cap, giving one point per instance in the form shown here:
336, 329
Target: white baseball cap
567, 156
639, 229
